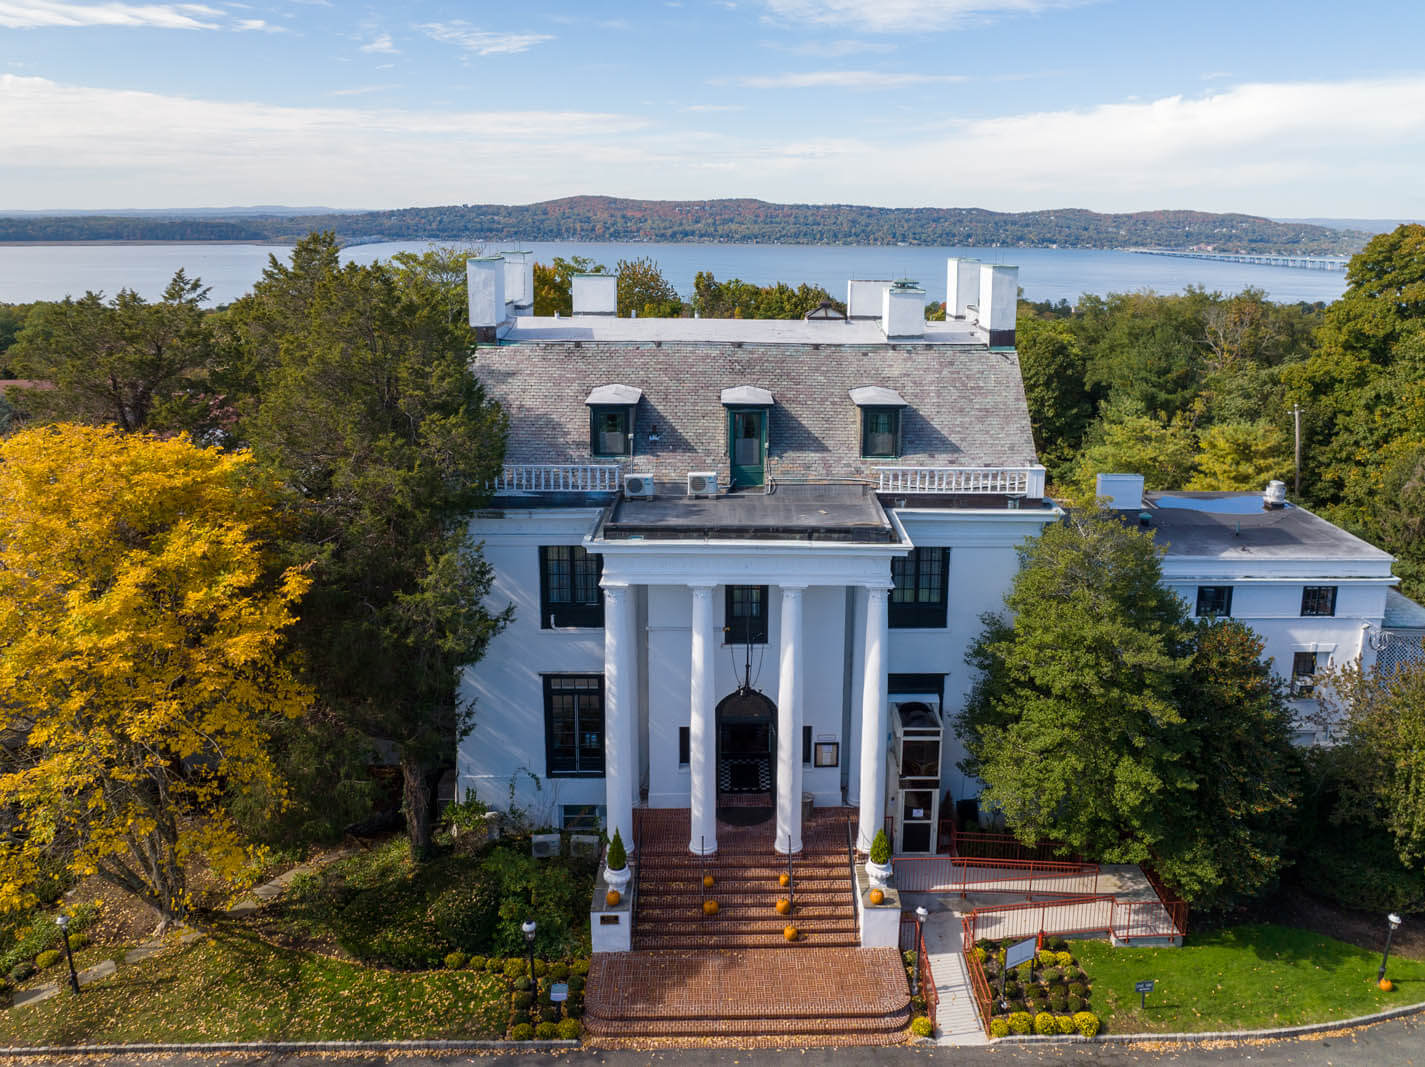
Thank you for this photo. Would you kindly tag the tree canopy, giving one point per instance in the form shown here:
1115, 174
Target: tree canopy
1100, 713
142, 657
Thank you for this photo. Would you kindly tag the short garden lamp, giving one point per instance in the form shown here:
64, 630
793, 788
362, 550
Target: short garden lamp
920, 916
1392, 924
528, 927
62, 921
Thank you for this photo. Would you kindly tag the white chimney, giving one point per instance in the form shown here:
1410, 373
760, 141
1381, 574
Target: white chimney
903, 311
1124, 491
485, 287
519, 281
865, 297
999, 303
962, 286
596, 294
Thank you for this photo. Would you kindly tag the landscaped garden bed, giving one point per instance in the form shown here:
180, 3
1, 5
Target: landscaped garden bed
1047, 995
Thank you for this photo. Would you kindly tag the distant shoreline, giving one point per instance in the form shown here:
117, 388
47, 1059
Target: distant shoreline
80, 244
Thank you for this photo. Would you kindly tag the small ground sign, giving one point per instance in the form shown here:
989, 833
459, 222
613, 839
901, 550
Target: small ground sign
558, 991
1020, 953
1143, 988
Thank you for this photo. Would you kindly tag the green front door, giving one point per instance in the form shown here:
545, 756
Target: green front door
747, 437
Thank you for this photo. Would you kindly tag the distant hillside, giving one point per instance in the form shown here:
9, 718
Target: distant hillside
599, 218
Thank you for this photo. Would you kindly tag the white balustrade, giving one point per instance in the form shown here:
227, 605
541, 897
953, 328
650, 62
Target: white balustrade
1011, 481
558, 478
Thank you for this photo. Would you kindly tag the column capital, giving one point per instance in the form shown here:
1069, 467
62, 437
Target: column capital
792, 590
878, 592
614, 587
702, 590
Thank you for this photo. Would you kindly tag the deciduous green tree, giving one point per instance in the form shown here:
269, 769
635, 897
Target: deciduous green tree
1241, 456
1124, 441
643, 289
554, 284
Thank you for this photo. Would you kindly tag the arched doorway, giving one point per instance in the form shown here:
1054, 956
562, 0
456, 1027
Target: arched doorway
746, 746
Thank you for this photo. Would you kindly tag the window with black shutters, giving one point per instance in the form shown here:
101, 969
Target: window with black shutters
1214, 600
746, 615
569, 593
574, 725
1318, 600
919, 596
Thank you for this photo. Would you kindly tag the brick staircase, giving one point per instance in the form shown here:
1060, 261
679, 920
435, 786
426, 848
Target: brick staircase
745, 870
733, 979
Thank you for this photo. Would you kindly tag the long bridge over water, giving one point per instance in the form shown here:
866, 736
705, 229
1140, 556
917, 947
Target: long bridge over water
1297, 262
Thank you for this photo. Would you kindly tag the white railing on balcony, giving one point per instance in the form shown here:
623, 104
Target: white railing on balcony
1009, 481
558, 478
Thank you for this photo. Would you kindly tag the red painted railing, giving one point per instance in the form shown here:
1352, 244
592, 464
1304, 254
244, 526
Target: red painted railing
1002, 846
1071, 916
912, 938
979, 984
944, 874
1175, 905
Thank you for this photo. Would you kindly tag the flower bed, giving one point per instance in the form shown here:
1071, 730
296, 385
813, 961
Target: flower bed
1050, 994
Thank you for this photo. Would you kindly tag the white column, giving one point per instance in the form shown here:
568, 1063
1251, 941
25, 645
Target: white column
789, 724
702, 755
620, 699
873, 721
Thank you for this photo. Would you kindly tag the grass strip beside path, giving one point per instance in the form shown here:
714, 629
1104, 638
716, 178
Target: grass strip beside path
1252, 977
237, 988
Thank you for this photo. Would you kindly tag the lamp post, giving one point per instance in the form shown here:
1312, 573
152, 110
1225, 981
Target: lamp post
528, 927
920, 916
62, 921
1393, 924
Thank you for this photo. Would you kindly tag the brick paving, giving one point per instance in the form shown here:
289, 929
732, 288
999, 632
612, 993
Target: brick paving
732, 979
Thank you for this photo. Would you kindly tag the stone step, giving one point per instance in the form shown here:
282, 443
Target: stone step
767, 1027
662, 918
734, 940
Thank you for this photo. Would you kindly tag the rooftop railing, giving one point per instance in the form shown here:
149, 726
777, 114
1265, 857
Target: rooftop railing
964, 481
558, 478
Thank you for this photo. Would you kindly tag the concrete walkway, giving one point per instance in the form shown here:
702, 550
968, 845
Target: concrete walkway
957, 1020
104, 968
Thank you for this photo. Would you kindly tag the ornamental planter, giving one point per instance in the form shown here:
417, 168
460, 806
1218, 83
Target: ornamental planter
879, 873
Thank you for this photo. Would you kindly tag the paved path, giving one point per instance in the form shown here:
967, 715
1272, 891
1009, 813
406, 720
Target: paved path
957, 1022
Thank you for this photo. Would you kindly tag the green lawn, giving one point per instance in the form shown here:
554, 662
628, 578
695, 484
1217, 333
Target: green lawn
236, 988
1243, 978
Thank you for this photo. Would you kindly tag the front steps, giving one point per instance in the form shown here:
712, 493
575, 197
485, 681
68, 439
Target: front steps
732, 978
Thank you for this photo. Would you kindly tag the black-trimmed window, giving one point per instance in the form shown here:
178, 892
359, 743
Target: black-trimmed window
1214, 600
1318, 600
880, 432
610, 429
581, 818
684, 745
569, 593
919, 597
806, 744
746, 615
1303, 673
574, 725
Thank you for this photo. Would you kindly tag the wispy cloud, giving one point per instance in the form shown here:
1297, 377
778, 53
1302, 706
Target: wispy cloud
360, 90
481, 42
895, 16
1215, 75
381, 43
36, 14
832, 49
258, 26
845, 79
714, 107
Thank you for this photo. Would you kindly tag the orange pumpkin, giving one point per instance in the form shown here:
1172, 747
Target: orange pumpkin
709, 907
709, 881
784, 879
612, 897
790, 933
783, 906
1386, 985
877, 897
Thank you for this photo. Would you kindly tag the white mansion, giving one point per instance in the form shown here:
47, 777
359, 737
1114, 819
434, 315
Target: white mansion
747, 558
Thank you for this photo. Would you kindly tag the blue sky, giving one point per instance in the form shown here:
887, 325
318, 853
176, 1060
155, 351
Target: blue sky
1308, 108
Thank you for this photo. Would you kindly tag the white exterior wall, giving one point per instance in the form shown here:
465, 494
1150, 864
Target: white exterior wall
507, 684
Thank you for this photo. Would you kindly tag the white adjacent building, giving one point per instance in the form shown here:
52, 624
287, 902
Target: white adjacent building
746, 557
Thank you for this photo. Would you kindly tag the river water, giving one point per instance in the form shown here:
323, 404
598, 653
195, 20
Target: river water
51, 272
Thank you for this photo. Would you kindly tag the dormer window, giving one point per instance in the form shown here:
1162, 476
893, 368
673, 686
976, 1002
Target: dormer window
611, 416
880, 421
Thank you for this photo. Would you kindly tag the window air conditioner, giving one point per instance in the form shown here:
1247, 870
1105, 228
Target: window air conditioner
638, 486
702, 483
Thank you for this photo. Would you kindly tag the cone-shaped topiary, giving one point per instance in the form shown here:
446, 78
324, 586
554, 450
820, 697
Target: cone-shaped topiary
618, 858
880, 848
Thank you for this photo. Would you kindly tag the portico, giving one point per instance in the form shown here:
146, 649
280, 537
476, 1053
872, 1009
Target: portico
685, 579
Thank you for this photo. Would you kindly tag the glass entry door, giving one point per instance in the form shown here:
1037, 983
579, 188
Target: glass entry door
747, 431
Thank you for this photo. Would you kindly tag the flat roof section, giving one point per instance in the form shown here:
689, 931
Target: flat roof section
726, 331
1283, 533
826, 512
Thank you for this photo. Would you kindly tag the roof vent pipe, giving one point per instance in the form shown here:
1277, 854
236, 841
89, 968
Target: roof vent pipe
1275, 497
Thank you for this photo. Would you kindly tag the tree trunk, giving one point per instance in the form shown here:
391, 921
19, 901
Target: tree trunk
416, 802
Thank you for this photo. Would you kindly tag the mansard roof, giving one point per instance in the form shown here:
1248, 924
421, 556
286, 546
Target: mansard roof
964, 403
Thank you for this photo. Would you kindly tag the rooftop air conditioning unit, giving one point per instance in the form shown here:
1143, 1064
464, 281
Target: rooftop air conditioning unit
702, 483
638, 486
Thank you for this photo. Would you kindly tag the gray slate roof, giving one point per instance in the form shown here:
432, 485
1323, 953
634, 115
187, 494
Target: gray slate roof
965, 404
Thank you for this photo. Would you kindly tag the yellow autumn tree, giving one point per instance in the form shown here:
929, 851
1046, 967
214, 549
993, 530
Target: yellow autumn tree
141, 654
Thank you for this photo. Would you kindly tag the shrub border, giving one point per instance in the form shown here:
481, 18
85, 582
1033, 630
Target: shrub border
1223, 1035
286, 1046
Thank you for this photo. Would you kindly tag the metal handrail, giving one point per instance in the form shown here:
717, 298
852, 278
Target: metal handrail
637, 868
979, 983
